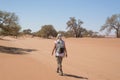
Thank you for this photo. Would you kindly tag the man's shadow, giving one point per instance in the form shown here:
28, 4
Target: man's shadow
75, 76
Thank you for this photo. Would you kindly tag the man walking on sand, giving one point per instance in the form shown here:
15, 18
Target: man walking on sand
60, 51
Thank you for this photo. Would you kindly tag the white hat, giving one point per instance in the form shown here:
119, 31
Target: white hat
59, 35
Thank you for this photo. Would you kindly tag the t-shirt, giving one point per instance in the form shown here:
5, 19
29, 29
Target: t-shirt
56, 43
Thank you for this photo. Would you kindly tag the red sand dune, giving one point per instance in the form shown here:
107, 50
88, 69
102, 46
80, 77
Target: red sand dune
88, 59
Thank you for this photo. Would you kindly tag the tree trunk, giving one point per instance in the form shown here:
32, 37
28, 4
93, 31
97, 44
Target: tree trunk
75, 35
117, 33
79, 33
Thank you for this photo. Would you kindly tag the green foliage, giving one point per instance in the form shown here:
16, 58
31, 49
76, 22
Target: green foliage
12, 31
66, 34
27, 31
62, 32
47, 31
75, 26
69, 34
9, 24
76, 30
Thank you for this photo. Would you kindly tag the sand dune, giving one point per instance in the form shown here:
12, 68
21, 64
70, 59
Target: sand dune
88, 59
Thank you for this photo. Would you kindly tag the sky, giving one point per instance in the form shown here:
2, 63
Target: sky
34, 14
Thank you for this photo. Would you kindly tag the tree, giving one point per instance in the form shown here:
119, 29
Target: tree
47, 31
62, 33
27, 31
112, 23
75, 26
69, 33
9, 23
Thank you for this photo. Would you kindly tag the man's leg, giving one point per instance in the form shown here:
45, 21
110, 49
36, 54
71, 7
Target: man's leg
60, 66
58, 62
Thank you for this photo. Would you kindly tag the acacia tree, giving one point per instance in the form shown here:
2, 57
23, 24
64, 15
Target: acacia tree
27, 31
9, 23
112, 23
47, 31
75, 26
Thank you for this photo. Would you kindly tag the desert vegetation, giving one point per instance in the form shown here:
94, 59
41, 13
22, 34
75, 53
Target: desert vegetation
9, 26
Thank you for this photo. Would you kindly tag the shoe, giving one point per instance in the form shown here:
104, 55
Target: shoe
57, 70
61, 74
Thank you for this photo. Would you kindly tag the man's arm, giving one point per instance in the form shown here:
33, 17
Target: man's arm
65, 51
53, 49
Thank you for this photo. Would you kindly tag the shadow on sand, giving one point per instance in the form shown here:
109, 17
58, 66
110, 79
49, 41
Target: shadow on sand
14, 50
75, 76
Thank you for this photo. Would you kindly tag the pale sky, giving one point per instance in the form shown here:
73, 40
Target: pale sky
35, 13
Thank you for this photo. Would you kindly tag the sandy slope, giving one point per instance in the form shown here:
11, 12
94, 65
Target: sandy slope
92, 59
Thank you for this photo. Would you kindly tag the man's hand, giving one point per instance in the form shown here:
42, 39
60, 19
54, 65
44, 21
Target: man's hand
52, 54
66, 55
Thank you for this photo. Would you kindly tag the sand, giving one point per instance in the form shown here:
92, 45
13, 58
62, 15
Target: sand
88, 59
